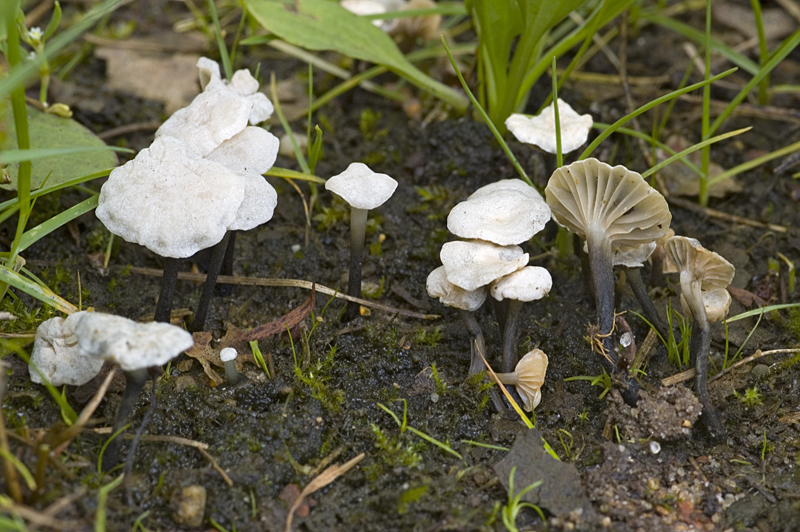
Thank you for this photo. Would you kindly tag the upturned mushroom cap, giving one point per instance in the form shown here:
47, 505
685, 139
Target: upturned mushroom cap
716, 302
540, 130
711, 269
170, 201
614, 204
452, 296
504, 215
475, 263
57, 355
531, 370
362, 188
129, 344
528, 284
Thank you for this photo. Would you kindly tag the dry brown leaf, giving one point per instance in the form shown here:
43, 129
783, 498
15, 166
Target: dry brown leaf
324, 478
168, 78
288, 321
205, 354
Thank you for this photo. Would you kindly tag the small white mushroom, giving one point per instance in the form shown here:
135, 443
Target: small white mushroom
504, 215
135, 347
528, 284
228, 356
363, 190
474, 263
57, 357
528, 378
466, 302
540, 130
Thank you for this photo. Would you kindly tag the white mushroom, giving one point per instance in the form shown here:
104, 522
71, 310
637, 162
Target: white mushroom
57, 357
528, 284
135, 347
466, 302
474, 263
540, 130
504, 215
228, 356
363, 190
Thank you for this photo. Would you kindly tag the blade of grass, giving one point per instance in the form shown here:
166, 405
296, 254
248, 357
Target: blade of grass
763, 52
692, 149
646, 107
486, 118
706, 153
41, 293
301, 159
293, 174
557, 116
759, 311
17, 156
33, 235
223, 49
102, 499
755, 162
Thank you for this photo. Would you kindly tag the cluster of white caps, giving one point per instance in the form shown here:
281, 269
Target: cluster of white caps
72, 350
495, 220
202, 176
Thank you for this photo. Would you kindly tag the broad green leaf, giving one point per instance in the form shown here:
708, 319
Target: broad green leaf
49, 131
324, 25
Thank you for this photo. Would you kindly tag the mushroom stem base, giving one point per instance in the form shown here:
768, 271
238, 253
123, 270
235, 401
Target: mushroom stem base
476, 342
701, 346
600, 263
168, 282
510, 336
634, 277
358, 229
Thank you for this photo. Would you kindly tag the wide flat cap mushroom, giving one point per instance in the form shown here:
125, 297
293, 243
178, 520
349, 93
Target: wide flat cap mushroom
504, 215
57, 355
129, 344
540, 130
474, 263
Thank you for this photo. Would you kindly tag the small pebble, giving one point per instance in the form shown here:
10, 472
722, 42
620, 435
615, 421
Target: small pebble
655, 448
191, 506
434, 397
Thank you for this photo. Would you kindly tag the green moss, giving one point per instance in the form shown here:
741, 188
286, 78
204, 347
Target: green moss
409, 496
392, 451
368, 125
438, 381
428, 336
315, 380
751, 397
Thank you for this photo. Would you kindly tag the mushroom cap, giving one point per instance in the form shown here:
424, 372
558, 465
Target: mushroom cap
504, 215
634, 258
540, 130
362, 188
506, 184
591, 196
716, 302
258, 205
57, 356
375, 7
528, 284
452, 296
531, 370
227, 354
253, 149
170, 201
475, 263
711, 269
129, 344
425, 27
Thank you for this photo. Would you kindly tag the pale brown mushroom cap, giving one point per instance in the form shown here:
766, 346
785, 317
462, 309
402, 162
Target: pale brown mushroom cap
711, 269
452, 296
475, 263
634, 258
716, 302
531, 370
528, 284
590, 196
505, 214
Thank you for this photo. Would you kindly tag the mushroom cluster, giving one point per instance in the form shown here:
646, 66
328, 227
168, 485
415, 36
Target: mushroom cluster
495, 219
200, 179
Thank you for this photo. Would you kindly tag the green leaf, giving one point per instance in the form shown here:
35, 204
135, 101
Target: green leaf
52, 132
324, 25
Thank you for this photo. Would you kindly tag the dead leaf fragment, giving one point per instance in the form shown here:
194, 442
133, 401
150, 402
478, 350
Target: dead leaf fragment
288, 321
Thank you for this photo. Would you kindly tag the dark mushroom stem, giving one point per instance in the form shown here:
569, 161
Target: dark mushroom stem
168, 282
601, 266
134, 382
217, 258
227, 266
700, 348
358, 230
634, 278
510, 335
476, 342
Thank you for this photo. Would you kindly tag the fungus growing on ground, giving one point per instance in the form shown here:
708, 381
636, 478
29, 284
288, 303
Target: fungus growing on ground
466, 302
701, 271
613, 209
528, 284
474, 263
528, 378
136, 348
57, 356
540, 130
228, 356
507, 212
363, 190
200, 179
633, 261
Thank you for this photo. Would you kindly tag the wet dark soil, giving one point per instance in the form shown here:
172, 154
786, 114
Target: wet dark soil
321, 406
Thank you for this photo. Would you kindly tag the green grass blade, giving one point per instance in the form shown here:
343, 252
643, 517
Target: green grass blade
436, 442
223, 48
646, 107
42, 293
31, 236
692, 149
21, 469
756, 162
759, 311
293, 174
16, 156
102, 499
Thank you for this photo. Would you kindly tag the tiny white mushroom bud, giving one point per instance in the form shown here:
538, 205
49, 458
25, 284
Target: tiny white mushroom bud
228, 357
